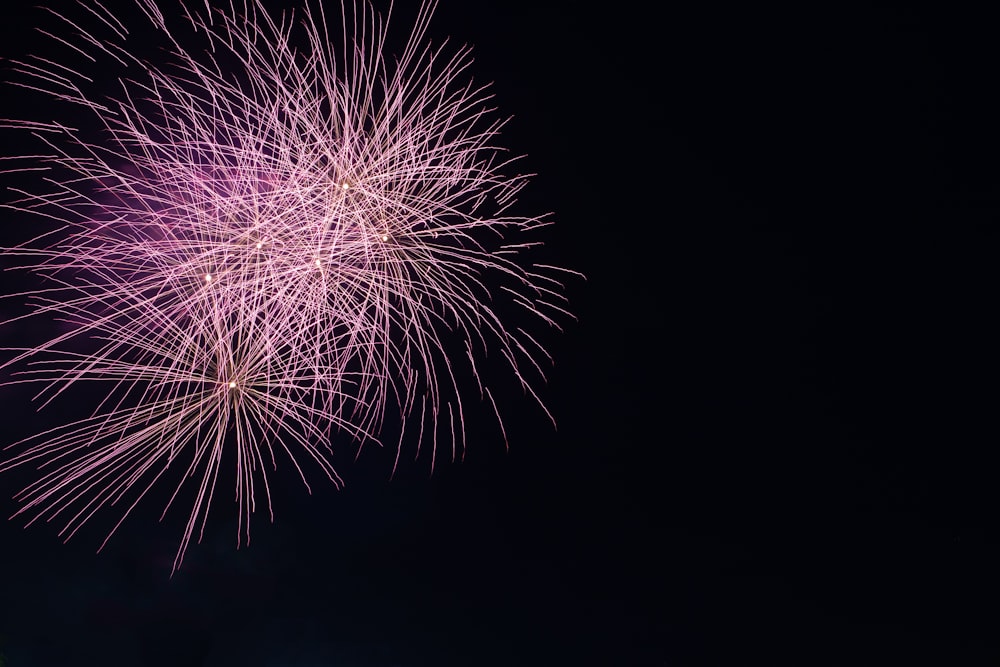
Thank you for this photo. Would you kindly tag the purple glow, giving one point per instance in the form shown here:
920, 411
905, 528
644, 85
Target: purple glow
272, 260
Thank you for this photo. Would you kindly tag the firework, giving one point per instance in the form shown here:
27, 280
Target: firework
278, 240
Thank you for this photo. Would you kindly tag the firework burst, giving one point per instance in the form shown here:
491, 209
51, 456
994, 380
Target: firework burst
280, 239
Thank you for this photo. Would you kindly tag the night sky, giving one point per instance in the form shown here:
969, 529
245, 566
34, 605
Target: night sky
777, 411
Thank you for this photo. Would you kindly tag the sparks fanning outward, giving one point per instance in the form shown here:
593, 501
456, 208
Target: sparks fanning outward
282, 236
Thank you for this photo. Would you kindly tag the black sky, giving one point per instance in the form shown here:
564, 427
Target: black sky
777, 411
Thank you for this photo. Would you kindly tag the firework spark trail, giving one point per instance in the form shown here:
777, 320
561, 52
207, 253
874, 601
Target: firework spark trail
267, 257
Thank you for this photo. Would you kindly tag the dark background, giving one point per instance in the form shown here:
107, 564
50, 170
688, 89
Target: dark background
777, 412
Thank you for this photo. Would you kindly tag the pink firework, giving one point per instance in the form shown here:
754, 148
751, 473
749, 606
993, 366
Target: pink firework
279, 241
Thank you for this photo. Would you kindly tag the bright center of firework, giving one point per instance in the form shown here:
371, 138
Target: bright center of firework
345, 185
318, 263
208, 277
259, 245
385, 237
232, 385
